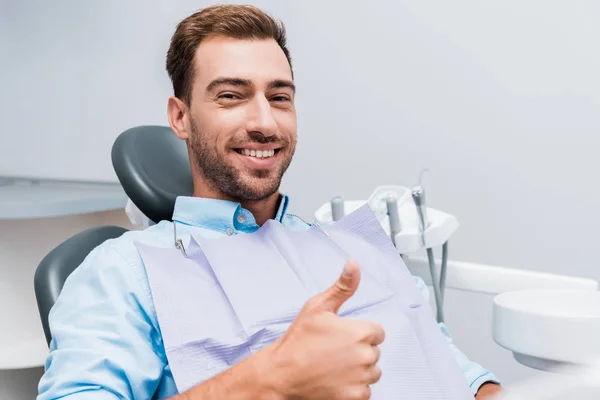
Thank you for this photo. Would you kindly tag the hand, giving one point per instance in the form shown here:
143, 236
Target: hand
324, 356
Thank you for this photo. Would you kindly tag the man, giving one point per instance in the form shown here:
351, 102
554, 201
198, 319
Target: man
233, 104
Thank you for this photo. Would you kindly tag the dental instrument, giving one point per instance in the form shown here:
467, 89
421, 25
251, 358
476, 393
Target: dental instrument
418, 196
392, 210
411, 226
337, 208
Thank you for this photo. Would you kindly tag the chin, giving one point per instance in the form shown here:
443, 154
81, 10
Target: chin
254, 188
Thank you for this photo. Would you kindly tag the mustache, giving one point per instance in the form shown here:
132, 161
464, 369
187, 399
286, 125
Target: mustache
260, 139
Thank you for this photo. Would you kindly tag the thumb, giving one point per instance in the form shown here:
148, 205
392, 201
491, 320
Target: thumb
332, 299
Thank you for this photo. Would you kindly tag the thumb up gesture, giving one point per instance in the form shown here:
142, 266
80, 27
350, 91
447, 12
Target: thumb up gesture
324, 356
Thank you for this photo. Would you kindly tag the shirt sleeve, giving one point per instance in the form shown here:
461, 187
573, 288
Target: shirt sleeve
475, 374
105, 339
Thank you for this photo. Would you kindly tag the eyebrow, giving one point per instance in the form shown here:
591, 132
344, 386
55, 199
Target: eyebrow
239, 82
281, 83
228, 81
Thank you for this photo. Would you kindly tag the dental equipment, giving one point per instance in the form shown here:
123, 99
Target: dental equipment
525, 301
337, 208
392, 209
411, 226
418, 196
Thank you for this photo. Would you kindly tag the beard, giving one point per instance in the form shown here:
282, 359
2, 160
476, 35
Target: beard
221, 175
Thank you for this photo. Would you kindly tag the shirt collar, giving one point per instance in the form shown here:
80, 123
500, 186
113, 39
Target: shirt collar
220, 215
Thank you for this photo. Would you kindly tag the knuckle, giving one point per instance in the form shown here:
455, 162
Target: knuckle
342, 288
372, 331
367, 356
376, 354
378, 333
382, 333
375, 373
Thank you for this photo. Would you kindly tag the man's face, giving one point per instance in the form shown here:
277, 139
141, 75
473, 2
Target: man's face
242, 116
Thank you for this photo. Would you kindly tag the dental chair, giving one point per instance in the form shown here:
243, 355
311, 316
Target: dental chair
153, 168
55, 268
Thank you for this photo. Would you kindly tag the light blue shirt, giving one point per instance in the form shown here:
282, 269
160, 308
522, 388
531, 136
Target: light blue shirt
106, 341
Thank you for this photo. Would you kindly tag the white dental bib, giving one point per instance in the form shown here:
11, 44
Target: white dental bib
233, 296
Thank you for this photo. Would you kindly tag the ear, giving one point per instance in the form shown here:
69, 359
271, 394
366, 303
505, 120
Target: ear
177, 112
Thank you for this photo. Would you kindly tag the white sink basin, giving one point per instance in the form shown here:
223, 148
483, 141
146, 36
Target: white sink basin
548, 329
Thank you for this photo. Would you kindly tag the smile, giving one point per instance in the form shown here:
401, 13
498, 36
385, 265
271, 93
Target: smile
257, 153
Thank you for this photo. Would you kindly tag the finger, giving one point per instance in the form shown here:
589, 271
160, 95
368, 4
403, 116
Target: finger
368, 355
373, 374
333, 298
373, 333
378, 335
377, 354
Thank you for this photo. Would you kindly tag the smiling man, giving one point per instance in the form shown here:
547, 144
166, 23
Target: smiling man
241, 126
233, 104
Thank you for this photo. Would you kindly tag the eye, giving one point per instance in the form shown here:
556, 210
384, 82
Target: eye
280, 99
229, 96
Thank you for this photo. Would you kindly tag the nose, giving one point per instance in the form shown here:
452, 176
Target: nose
260, 118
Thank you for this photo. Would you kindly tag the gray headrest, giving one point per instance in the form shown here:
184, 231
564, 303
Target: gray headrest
153, 167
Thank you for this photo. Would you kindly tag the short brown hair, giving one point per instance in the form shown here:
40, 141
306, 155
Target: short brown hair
235, 21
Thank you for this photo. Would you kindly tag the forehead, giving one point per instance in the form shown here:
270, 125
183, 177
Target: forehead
260, 61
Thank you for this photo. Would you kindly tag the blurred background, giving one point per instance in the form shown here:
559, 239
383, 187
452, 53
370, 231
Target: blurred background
500, 100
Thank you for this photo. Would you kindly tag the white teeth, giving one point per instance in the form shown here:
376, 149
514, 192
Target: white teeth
258, 153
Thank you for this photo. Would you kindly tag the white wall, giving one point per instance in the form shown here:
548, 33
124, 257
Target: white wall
499, 99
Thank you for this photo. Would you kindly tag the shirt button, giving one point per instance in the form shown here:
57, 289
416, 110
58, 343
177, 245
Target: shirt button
229, 231
241, 218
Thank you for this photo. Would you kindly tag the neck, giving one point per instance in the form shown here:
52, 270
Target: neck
262, 210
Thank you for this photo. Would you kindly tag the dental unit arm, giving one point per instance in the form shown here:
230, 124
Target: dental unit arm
411, 225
